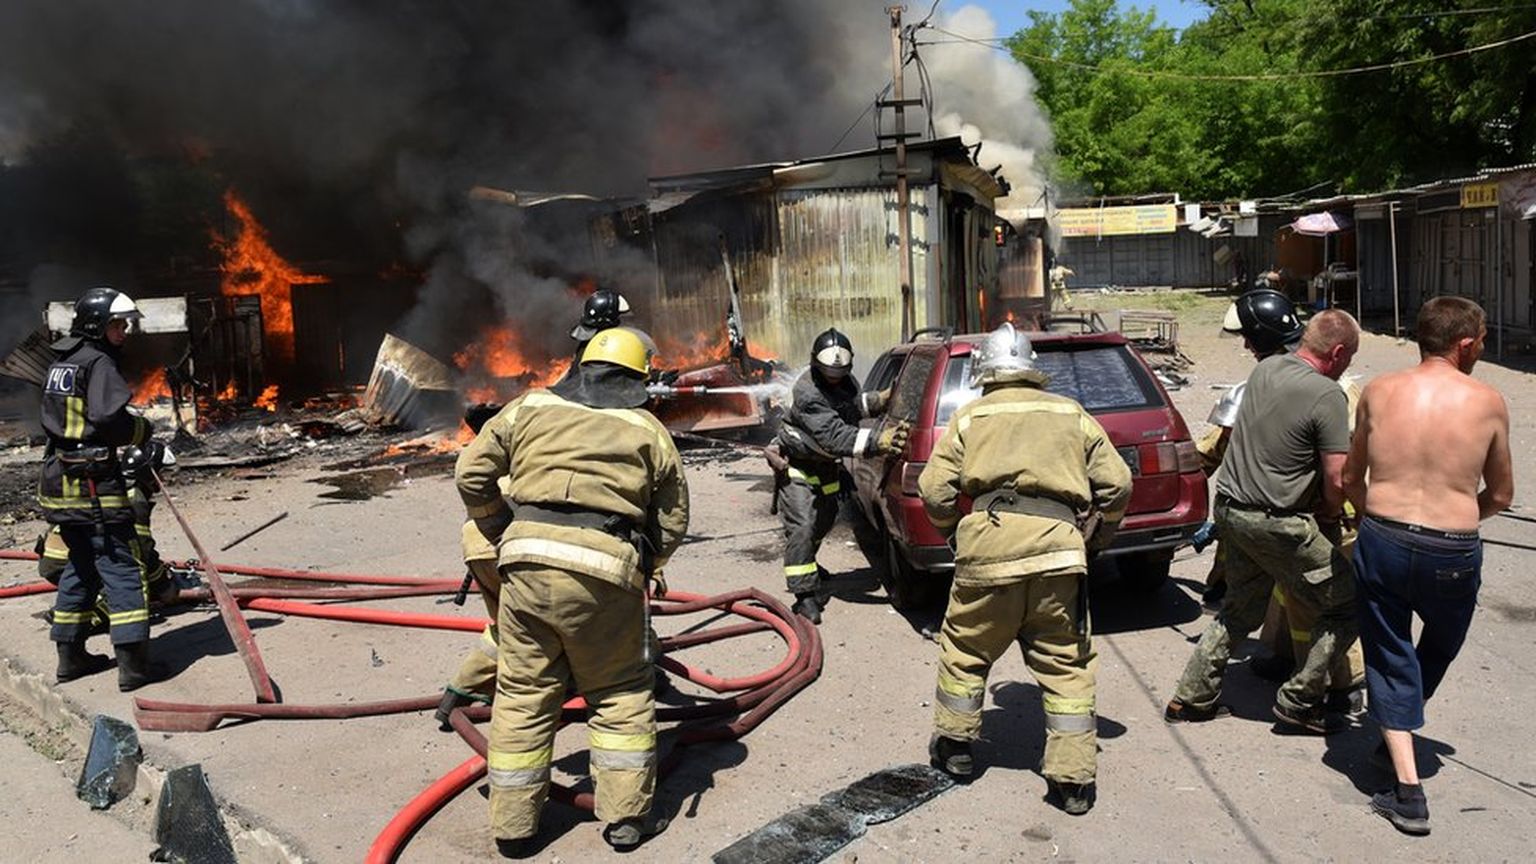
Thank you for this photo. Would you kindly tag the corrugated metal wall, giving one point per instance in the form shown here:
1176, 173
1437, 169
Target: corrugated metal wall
688, 312
804, 260
1457, 252
840, 264
1374, 245
1182, 259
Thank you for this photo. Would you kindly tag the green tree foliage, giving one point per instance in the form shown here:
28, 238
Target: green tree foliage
1129, 120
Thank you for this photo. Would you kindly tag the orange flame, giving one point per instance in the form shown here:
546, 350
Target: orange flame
499, 366
229, 392
433, 442
705, 348
250, 266
267, 399
152, 387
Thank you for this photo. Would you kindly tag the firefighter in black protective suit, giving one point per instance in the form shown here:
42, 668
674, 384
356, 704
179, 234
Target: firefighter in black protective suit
602, 310
84, 492
820, 427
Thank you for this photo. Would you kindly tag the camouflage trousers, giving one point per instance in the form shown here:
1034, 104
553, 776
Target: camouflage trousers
1262, 551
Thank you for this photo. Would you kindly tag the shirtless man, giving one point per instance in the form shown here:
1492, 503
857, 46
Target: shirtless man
1415, 477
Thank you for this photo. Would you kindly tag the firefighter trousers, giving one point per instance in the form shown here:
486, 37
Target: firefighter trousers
476, 677
807, 514
102, 563
1041, 613
1288, 626
557, 627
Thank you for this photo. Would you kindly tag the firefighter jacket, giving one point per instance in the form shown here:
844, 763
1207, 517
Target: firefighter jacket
558, 453
53, 552
1037, 444
822, 425
473, 541
85, 405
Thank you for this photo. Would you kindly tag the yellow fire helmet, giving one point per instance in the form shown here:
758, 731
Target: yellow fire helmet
621, 346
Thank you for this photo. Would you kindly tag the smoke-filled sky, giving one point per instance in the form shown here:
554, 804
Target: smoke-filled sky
405, 104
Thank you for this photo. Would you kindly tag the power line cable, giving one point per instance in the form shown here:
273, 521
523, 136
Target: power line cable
1272, 76
867, 108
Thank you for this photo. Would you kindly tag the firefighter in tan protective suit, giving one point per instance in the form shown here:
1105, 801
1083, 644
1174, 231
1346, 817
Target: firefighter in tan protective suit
595, 503
1033, 463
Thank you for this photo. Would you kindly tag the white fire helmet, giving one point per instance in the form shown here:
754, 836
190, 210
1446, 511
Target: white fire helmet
1005, 355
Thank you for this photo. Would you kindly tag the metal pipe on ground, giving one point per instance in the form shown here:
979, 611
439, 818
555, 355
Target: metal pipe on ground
234, 622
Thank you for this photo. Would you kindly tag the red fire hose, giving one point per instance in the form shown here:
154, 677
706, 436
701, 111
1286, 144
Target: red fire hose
387, 846
751, 699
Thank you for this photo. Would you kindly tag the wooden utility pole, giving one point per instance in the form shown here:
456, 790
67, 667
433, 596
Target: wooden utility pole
899, 102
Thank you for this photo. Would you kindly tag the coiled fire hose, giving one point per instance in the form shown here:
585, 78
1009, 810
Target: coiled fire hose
743, 702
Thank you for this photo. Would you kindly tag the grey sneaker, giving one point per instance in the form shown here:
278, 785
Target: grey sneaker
1312, 721
1350, 703
1405, 807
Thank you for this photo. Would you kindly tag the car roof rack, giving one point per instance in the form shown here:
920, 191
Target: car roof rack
943, 333
1092, 322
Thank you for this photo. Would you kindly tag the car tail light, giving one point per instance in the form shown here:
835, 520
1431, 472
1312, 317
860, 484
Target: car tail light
909, 474
1169, 457
1189, 457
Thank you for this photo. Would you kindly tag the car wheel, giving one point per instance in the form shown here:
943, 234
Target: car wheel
1145, 571
900, 580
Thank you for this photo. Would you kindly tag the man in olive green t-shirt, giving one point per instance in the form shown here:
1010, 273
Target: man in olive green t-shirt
1281, 478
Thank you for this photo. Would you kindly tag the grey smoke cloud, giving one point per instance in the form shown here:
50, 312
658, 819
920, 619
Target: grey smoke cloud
412, 102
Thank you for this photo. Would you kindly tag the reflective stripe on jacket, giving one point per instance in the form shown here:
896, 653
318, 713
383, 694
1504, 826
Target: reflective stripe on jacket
85, 404
556, 452
1039, 444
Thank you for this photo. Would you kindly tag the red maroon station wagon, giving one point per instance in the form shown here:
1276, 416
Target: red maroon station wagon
1103, 372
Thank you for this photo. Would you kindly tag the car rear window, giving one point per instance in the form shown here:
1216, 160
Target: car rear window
1101, 378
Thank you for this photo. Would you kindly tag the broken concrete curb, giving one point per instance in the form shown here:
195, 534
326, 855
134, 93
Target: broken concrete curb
253, 843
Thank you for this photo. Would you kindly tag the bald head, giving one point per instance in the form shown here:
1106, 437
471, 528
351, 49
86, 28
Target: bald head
1329, 329
1330, 341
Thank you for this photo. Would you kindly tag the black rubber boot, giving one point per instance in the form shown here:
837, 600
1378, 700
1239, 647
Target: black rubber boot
76, 662
451, 699
807, 606
1405, 807
1075, 799
952, 756
133, 667
627, 834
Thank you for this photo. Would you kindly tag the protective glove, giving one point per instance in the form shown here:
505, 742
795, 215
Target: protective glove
892, 440
658, 584
1203, 537
875, 402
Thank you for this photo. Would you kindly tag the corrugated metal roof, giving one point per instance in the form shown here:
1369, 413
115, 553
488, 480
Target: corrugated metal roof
763, 172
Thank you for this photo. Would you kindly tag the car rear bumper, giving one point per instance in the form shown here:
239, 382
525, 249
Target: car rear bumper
939, 559
1151, 539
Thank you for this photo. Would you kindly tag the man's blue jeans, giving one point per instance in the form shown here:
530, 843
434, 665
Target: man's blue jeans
1401, 572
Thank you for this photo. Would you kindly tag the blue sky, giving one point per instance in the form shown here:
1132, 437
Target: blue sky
1010, 14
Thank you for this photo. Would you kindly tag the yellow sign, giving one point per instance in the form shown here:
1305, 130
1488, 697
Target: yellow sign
1109, 221
1479, 195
